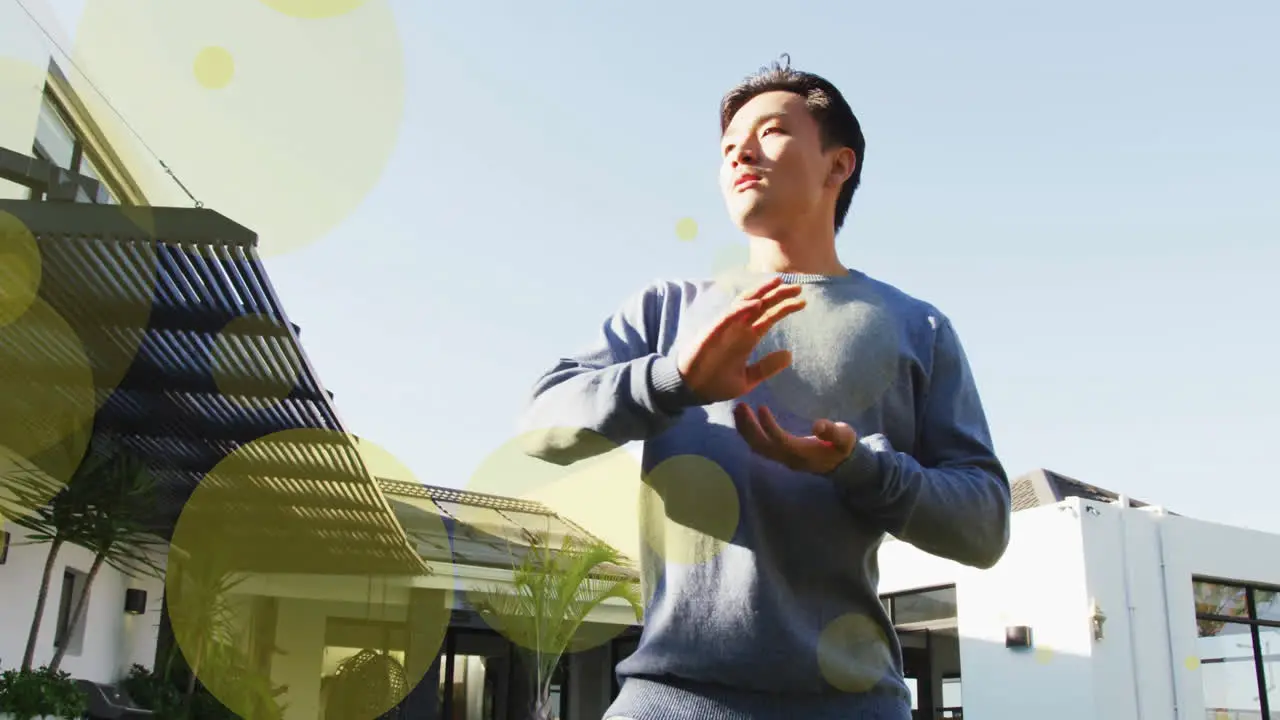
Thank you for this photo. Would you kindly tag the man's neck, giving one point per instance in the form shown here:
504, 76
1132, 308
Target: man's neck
810, 256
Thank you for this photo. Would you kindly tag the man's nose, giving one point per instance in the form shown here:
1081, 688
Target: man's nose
743, 155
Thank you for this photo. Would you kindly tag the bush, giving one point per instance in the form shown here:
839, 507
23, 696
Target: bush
39, 693
153, 692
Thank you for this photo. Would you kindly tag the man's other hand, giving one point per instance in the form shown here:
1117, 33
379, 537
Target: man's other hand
828, 446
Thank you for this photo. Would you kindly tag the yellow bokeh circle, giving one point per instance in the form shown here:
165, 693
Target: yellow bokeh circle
687, 229
214, 67
1044, 655
593, 498
285, 518
249, 373
47, 397
854, 654
690, 509
19, 268
304, 125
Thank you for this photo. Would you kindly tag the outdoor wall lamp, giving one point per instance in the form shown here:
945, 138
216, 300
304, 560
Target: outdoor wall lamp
1017, 636
135, 601
1098, 618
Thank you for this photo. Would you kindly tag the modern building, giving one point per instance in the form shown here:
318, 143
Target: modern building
1101, 608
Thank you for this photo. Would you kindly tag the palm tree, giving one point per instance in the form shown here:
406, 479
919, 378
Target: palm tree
200, 608
118, 503
549, 599
51, 515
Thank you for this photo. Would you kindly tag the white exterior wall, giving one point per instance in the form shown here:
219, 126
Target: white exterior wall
1040, 582
1136, 564
1195, 548
113, 640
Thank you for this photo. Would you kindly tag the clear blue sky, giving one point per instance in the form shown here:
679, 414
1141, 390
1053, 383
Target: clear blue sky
1088, 190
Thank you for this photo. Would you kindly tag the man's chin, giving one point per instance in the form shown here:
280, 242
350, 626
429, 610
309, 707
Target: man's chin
750, 218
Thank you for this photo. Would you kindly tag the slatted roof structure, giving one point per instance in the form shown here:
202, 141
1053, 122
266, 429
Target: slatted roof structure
1045, 487
479, 529
168, 318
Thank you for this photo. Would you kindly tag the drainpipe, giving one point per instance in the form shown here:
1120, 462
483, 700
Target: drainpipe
1123, 508
1168, 626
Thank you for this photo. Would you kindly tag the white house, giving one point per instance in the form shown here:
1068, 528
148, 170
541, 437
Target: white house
1132, 613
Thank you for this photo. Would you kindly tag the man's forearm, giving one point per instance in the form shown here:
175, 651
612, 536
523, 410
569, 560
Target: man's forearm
579, 411
959, 510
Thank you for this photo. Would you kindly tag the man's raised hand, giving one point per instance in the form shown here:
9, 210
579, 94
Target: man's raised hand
715, 367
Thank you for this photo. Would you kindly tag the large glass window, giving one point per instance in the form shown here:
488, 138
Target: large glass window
1239, 644
924, 606
61, 143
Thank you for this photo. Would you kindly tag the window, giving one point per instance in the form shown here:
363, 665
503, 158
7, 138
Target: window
61, 143
937, 605
952, 699
73, 586
1239, 645
925, 620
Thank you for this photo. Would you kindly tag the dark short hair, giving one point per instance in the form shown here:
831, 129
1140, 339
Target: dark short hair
837, 124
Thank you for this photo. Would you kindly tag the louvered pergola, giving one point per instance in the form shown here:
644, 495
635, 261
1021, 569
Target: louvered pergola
193, 363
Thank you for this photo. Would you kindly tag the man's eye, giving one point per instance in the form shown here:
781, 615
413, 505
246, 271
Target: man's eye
771, 129
728, 149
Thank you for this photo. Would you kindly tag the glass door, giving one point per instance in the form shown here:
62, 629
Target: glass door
481, 669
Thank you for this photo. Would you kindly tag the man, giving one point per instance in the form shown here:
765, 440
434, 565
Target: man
839, 408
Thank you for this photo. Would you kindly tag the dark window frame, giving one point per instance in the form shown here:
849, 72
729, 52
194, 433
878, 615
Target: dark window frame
887, 600
1249, 620
79, 152
73, 587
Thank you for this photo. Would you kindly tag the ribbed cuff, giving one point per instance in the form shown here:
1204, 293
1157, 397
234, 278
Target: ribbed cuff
859, 476
670, 393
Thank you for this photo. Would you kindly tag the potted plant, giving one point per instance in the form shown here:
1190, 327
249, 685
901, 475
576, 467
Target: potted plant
40, 694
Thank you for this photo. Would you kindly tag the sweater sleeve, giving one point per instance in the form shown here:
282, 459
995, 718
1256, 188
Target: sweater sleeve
952, 499
621, 388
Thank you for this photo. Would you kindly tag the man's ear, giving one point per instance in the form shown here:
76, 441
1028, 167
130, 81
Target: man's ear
843, 163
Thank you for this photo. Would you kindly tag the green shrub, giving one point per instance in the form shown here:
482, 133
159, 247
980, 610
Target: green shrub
39, 693
153, 692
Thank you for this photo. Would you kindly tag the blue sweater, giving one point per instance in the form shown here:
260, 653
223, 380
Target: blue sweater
761, 582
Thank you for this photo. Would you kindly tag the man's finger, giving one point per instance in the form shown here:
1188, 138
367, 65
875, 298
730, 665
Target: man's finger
743, 315
759, 291
767, 366
770, 317
778, 437
750, 430
838, 435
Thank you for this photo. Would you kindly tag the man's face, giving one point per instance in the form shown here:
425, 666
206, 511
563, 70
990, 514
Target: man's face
773, 172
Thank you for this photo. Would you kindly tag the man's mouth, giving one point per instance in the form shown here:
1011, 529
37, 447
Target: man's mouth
746, 180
